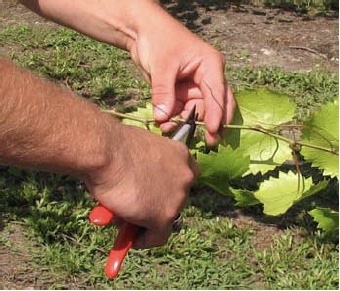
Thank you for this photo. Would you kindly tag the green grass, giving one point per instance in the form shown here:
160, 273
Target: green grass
216, 248
92, 69
308, 90
103, 74
211, 251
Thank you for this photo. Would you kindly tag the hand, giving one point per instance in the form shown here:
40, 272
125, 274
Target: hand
146, 187
183, 70
142, 177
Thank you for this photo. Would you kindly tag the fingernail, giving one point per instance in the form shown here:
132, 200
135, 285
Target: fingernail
160, 112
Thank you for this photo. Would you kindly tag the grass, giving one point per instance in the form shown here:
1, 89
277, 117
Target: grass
92, 69
209, 252
308, 90
217, 247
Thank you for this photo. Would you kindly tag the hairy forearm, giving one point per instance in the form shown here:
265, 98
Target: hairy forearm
44, 127
112, 21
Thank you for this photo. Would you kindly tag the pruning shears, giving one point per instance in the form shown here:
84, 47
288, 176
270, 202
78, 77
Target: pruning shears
101, 216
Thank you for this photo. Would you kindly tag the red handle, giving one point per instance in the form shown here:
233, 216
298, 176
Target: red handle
123, 243
100, 215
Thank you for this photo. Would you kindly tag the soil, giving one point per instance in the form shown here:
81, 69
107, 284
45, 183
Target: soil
248, 36
254, 36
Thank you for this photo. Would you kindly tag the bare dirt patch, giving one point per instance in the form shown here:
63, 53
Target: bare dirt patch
255, 36
16, 263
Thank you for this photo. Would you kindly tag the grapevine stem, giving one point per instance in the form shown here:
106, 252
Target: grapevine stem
128, 116
278, 136
147, 121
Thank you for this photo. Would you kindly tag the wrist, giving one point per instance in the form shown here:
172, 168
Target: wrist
129, 19
112, 21
105, 154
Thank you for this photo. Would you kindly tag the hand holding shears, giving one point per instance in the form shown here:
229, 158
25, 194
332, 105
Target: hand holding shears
101, 216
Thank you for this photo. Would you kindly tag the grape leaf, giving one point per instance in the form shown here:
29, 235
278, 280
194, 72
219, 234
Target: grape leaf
323, 130
217, 168
231, 136
145, 114
244, 197
278, 195
265, 152
327, 219
266, 109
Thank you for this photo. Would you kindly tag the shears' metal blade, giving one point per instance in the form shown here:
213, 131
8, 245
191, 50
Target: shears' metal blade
187, 130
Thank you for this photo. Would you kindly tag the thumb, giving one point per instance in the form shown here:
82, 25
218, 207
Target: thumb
163, 95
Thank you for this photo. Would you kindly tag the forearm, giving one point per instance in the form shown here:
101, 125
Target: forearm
112, 21
44, 127
181, 68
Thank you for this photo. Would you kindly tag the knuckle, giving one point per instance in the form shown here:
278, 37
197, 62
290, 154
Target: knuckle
188, 171
160, 89
223, 59
218, 57
170, 214
154, 238
188, 176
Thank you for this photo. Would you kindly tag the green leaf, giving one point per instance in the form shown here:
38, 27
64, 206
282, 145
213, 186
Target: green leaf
264, 107
327, 219
323, 130
244, 197
315, 188
231, 136
265, 152
261, 109
145, 114
217, 168
278, 195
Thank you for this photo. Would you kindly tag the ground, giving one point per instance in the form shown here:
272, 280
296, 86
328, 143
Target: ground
273, 37
247, 35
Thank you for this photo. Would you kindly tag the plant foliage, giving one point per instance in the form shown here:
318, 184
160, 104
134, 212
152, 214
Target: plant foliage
261, 140
322, 130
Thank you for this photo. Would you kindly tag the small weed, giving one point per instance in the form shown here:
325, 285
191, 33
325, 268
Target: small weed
244, 54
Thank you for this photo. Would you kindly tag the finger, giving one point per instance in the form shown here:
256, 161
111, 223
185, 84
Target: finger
170, 125
211, 138
214, 106
231, 106
152, 238
190, 94
213, 89
184, 112
194, 167
187, 90
119, 222
163, 94
200, 109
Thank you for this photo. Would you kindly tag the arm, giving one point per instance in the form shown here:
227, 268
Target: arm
47, 128
182, 69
